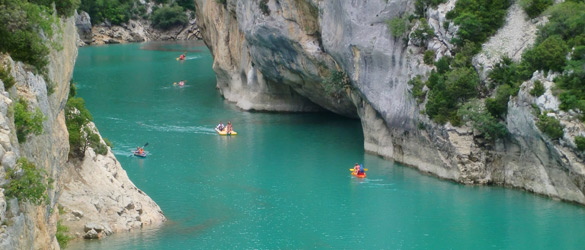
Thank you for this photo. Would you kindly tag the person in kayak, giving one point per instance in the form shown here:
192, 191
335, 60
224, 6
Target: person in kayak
182, 57
361, 170
181, 83
356, 168
140, 150
229, 128
220, 126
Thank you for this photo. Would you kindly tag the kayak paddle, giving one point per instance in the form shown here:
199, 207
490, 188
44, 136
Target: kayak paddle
351, 169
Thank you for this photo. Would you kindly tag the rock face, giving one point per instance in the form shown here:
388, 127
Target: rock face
281, 58
83, 24
97, 192
28, 226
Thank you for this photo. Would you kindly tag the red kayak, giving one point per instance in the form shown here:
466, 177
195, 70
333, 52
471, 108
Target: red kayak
362, 175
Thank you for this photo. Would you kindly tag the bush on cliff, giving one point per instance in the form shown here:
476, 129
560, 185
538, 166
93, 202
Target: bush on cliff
169, 16
482, 121
61, 234
23, 26
336, 83
27, 122
533, 8
421, 6
478, 19
6, 78
27, 183
550, 126
398, 26
580, 142
77, 116
64, 8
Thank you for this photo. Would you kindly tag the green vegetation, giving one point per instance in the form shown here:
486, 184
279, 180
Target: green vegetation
564, 32
26, 121
169, 16
336, 83
114, 11
538, 89
398, 26
580, 142
24, 26
187, 4
534, 7
421, 6
482, 121
447, 90
81, 137
264, 7
61, 234
498, 106
550, 126
422, 33
429, 57
30, 184
224, 2
64, 8
477, 19
548, 55
6, 78
417, 89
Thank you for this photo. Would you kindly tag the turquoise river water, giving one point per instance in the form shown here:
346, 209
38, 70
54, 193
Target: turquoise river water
283, 182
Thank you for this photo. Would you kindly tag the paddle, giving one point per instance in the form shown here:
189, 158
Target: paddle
351, 169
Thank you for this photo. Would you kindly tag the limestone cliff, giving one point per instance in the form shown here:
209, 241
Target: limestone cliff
29, 226
281, 55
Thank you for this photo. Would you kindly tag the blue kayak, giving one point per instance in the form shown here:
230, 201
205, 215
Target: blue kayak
143, 155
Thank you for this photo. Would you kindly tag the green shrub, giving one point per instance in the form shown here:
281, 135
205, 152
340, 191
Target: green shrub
504, 72
27, 122
421, 6
549, 55
429, 57
187, 4
264, 7
578, 53
77, 116
62, 237
398, 26
24, 26
566, 20
29, 185
498, 106
572, 86
64, 8
483, 121
580, 142
417, 89
224, 2
6, 78
422, 33
336, 83
169, 16
538, 89
108, 143
534, 7
478, 19
442, 64
550, 126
